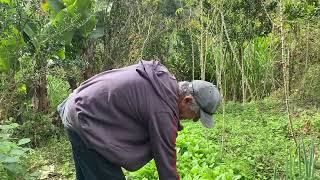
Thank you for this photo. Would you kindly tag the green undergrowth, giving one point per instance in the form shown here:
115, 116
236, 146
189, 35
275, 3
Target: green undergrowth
249, 141
53, 160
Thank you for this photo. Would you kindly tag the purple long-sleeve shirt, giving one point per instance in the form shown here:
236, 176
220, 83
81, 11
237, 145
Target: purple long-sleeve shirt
129, 115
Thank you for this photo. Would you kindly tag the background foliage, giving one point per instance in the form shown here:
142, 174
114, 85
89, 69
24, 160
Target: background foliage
252, 50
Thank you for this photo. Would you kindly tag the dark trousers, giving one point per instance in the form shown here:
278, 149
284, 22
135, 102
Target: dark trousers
90, 165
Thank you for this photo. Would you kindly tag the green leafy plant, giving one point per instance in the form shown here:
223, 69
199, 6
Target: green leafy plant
12, 154
39, 128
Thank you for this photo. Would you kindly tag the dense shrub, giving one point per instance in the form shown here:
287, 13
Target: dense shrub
39, 128
13, 154
311, 83
58, 90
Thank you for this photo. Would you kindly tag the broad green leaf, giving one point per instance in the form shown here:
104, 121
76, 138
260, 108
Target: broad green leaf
61, 53
10, 159
24, 141
45, 6
68, 2
67, 37
14, 168
2, 157
68, 20
5, 148
83, 5
4, 64
10, 126
88, 27
104, 5
5, 1
97, 33
9, 47
27, 29
5, 135
56, 5
22, 89
17, 152
32, 35
237, 177
65, 18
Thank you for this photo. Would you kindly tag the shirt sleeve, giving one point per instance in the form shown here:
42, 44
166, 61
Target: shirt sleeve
163, 132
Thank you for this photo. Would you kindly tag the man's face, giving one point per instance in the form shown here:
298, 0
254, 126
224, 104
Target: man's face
184, 109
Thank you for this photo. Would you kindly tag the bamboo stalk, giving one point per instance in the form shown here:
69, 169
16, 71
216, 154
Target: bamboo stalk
147, 38
286, 61
192, 49
202, 70
243, 83
233, 52
307, 50
222, 90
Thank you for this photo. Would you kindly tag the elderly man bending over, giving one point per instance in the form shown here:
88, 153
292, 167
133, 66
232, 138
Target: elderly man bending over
125, 117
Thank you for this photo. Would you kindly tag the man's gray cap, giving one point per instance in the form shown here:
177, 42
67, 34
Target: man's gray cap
208, 98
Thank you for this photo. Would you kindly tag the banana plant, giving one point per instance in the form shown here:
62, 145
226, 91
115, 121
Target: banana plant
11, 40
8, 49
67, 18
77, 19
62, 24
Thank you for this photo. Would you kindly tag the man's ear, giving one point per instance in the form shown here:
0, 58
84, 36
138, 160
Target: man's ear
188, 99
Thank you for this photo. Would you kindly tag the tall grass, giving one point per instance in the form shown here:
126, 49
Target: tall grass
260, 57
260, 62
300, 163
58, 90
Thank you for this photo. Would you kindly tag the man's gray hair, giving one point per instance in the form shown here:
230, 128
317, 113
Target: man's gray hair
185, 89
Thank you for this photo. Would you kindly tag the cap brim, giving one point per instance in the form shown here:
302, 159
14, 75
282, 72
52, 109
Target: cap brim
206, 119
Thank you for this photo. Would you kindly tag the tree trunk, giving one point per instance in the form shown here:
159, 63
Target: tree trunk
307, 51
89, 57
41, 101
202, 63
234, 92
242, 74
285, 60
72, 82
192, 49
220, 69
40, 96
234, 56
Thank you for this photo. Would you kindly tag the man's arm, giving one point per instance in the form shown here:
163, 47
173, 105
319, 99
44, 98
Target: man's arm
163, 132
